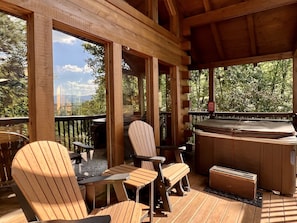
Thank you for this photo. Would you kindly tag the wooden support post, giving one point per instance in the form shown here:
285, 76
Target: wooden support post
40, 82
295, 88
114, 109
152, 74
177, 119
211, 87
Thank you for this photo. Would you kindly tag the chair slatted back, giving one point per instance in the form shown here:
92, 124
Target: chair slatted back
10, 143
142, 138
44, 173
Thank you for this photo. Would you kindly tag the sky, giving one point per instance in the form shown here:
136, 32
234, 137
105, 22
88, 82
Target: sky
71, 72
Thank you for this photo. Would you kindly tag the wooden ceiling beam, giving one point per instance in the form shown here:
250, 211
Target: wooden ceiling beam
232, 11
251, 30
252, 35
215, 32
217, 39
170, 7
246, 60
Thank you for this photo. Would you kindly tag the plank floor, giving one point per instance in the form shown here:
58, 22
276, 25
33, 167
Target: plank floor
199, 206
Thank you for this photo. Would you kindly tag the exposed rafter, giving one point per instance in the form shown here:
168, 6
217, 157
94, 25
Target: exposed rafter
233, 11
170, 7
251, 28
215, 31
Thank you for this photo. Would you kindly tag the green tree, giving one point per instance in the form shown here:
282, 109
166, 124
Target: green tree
165, 92
97, 105
199, 90
96, 61
266, 87
13, 64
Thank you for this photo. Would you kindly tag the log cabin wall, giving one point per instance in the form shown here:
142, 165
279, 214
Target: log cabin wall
115, 24
294, 87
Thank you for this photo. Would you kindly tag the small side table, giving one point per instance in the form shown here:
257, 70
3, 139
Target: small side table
139, 178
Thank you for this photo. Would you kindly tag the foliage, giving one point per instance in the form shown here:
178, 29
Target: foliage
97, 105
266, 87
199, 90
13, 64
164, 89
130, 93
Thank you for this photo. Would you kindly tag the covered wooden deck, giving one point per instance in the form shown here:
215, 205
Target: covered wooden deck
183, 35
200, 206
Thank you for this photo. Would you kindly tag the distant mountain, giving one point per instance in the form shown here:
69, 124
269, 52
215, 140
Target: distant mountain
73, 98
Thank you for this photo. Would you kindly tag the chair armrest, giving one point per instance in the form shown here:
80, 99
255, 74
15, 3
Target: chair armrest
101, 219
172, 148
105, 179
177, 150
156, 159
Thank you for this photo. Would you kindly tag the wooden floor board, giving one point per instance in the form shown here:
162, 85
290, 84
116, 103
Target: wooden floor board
219, 211
204, 212
186, 210
247, 214
290, 209
276, 208
182, 205
233, 212
196, 204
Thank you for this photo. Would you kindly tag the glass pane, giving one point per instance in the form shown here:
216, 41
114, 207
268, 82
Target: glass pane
13, 74
165, 104
80, 100
79, 91
79, 76
134, 94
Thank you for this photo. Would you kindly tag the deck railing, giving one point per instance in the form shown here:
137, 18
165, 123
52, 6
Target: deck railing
75, 128
284, 116
68, 128
79, 128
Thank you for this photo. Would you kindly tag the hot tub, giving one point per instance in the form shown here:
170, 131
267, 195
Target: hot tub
269, 153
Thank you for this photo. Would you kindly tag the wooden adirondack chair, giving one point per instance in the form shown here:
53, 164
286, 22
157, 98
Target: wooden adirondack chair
173, 175
44, 174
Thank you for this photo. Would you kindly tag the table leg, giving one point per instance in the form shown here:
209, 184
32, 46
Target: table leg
108, 194
91, 195
151, 201
137, 195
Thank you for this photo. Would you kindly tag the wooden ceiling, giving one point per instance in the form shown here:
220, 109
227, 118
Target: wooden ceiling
224, 32
228, 32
